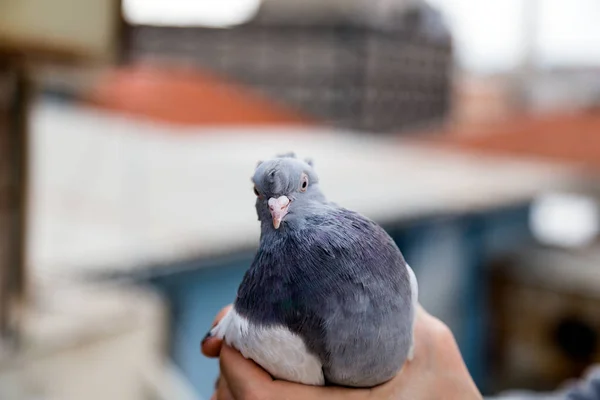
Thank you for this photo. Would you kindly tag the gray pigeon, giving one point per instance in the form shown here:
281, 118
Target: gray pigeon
328, 298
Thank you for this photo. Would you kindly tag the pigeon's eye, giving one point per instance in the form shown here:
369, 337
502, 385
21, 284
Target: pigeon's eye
304, 184
256, 192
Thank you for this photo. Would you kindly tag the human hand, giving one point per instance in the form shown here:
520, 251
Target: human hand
436, 372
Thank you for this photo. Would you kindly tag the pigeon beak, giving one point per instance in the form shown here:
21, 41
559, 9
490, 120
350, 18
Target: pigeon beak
279, 209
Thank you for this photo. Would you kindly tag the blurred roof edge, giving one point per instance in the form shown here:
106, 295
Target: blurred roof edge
187, 97
569, 137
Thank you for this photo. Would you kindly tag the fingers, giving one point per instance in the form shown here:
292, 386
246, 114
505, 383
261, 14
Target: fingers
244, 378
221, 314
211, 347
295, 391
222, 391
438, 340
247, 380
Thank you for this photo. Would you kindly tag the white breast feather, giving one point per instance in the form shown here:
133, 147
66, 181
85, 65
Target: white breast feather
278, 350
414, 290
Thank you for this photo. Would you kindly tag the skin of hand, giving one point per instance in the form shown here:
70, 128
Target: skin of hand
437, 372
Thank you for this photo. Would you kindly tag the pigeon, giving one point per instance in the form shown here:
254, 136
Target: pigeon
328, 298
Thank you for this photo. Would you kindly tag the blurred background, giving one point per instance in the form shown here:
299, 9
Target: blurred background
469, 129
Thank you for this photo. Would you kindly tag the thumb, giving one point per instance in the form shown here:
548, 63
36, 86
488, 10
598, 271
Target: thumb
211, 346
247, 380
244, 378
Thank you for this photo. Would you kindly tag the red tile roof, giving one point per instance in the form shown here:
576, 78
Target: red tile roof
187, 97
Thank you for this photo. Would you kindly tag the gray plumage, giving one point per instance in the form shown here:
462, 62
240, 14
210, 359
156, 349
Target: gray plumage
331, 276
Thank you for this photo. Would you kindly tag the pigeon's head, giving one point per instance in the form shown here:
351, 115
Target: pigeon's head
286, 190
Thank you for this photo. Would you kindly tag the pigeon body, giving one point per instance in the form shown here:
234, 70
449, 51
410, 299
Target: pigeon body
329, 298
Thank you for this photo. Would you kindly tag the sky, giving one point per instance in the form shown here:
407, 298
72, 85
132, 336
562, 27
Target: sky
212, 13
490, 35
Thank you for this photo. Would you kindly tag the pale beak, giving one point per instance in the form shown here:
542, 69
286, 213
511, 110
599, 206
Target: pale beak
279, 208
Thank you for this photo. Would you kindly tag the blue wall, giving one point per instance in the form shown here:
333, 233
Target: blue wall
195, 296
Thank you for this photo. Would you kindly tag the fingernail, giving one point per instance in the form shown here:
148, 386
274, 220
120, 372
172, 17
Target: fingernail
207, 336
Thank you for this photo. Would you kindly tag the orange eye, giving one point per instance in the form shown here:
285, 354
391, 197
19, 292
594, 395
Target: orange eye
304, 184
256, 192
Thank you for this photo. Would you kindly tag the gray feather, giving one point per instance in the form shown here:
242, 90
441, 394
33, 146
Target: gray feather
289, 154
